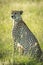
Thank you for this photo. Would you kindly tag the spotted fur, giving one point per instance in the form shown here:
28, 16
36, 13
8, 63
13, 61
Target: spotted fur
22, 35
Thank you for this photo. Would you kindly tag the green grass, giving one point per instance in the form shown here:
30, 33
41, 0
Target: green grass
33, 17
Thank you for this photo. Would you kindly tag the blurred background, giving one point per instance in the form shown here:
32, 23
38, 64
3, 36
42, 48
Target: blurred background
32, 16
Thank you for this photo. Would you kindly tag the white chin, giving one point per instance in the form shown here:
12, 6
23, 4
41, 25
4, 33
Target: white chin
13, 25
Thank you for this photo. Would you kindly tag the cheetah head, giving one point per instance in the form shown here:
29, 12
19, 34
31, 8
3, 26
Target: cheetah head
16, 15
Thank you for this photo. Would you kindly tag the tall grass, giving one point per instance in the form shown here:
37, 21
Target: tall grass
32, 16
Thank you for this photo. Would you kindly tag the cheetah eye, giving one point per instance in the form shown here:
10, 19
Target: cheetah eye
15, 13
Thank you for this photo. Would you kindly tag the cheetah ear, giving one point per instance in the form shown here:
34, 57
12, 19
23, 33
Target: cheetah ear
21, 12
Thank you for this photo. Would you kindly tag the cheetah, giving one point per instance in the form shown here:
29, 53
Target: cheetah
22, 34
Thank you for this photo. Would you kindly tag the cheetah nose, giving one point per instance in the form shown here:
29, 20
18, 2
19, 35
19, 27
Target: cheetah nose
12, 16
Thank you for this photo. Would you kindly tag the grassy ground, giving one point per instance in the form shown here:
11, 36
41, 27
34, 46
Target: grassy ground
33, 17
